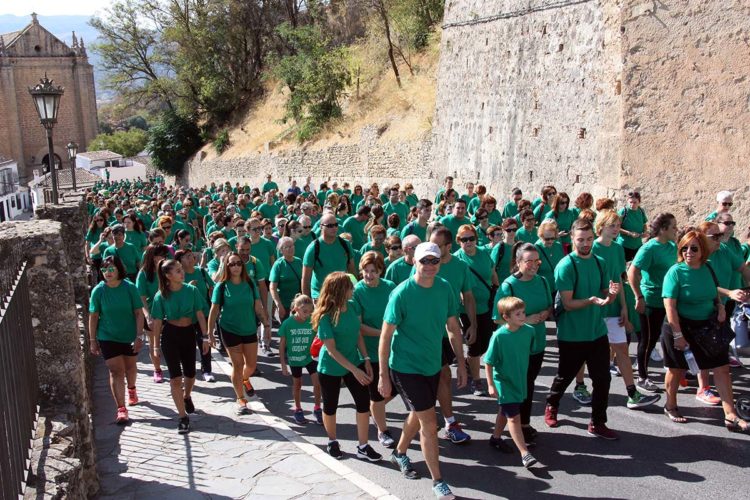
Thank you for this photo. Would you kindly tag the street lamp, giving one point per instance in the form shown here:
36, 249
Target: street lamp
72, 153
47, 100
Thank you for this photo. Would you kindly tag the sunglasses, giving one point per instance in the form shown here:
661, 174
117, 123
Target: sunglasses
332, 224
511, 230
726, 204
549, 239
467, 239
394, 247
234, 264
306, 227
728, 223
166, 228
693, 249
99, 220
256, 229
429, 261
537, 262
299, 231
110, 269
482, 218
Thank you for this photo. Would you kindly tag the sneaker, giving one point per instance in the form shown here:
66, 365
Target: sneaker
614, 370
249, 389
299, 417
735, 362
318, 416
499, 444
455, 434
184, 426
209, 377
550, 416
367, 453
122, 416
582, 395
158, 376
477, 388
647, 385
656, 356
189, 406
442, 491
528, 460
386, 440
602, 431
132, 397
404, 464
242, 408
267, 351
640, 401
334, 450
708, 396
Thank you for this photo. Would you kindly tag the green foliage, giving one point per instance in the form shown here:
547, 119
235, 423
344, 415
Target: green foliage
316, 75
127, 143
172, 140
136, 121
221, 143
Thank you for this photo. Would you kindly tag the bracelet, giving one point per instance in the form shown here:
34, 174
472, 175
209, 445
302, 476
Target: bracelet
367, 358
677, 335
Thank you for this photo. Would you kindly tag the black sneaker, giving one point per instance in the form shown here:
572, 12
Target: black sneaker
529, 435
189, 406
499, 444
334, 450
184, 426
366, 452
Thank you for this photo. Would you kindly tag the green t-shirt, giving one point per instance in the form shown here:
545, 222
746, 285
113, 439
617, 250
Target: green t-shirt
473, 205
541, 212
137, 239
417, 343
288, 275
301, 244
331, 258
495, 218
508, 354
632, 220
184, 303
654, 260
238, 311
147, 288
453, 223
710, 217
510, 209
128, 254
502, 255
564, 221
346, 334
398, 271
694, 290
550, 257
116, 307
536, 295
725, 263
372, 301
269, 211
400, 209
369, 247
264, 250
256, 270
614, 256
587, 324
357, 230
299, 337
482, 264
456, 273
203, 283
526, 236
269, 186
414, 228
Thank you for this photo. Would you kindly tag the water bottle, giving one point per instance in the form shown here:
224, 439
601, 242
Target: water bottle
692, 363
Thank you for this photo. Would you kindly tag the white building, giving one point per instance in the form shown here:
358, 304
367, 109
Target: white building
102, 162
13, 200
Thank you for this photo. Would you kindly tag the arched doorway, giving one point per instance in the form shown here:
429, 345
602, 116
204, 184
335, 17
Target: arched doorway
45, 162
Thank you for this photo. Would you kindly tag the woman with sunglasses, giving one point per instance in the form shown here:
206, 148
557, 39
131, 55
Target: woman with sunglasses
93, 234
176, 309
526, 284
116, 330
356, 196
395, 250
482, 224
691, 299
376, 241
128, 254
724, 201
220, 249
502, 254
494, 216
634, 225
545, 201
484, 278
550, 252
286, 277
527, 232
561, 213
165, 223
236, 304
147, 283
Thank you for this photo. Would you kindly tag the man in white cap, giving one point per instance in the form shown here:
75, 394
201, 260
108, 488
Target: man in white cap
412, 341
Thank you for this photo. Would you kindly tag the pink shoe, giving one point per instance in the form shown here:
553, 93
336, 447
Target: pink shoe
158, 377
122, 416
708, 396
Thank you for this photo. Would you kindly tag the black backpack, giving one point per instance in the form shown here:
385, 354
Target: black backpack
558, 309
342, 242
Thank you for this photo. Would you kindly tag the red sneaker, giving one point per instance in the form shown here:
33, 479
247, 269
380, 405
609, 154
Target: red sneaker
550, 416
602, 431
708, 396
132, 397
122, 416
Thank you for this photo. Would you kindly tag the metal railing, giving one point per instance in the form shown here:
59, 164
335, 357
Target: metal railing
19, 387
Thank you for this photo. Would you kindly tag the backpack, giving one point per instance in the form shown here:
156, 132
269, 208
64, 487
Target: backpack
222, 287
625, 211
342, 242
546, 287
558, 309
500, 255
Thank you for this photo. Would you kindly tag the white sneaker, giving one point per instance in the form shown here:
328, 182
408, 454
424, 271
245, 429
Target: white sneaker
209, 377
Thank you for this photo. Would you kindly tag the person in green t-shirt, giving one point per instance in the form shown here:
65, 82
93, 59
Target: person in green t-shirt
550, 251
634, 225
116, 331
134, 233
724, 202
147, 284
561, 213
511, 208
527, 232
343, 357
285, 278
394, 206
400, 269
412, 342
295, 338
418, 226
501, 252
376, 241
456, 220
582, 282
355, 225
506, 367
265, 252
128, 254
331, 253
269, 185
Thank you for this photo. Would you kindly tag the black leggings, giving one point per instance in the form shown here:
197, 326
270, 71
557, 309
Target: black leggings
205, 358
535, 366
650, 334
330, 386
178, 348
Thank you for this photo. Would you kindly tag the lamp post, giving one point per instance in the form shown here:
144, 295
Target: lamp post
72, 153
47, 101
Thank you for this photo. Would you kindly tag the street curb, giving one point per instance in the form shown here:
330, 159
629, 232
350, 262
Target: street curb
280, 426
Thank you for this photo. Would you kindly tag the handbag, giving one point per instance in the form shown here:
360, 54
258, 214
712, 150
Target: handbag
491, 288
714, 337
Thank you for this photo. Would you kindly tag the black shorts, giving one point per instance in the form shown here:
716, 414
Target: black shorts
330, 387
230, 339
178, 348
630, 253
419, 392
311, 367
375, 395
676, 359
448, 355
510, 410
485, 328
111, 349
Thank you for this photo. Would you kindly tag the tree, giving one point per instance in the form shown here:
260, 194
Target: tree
127, 143
172, 140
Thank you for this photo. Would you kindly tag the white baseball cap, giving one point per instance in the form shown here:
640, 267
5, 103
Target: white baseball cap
426, 249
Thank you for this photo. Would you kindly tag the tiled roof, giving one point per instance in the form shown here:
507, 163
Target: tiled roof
8, 38
100, 155
84, 178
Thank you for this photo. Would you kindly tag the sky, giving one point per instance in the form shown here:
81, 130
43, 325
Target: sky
53, 7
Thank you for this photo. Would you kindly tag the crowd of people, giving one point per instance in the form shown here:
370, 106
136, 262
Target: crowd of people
382, 292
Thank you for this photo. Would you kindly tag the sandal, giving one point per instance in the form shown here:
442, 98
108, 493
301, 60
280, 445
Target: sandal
674, 415
735, 425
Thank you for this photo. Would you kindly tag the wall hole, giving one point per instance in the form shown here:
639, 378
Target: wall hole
618, 87
560, 47
531, 175
581, 133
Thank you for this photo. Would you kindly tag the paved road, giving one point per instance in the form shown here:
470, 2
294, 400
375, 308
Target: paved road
654, 458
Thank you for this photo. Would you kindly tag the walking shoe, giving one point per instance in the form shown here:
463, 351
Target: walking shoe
184, 426
299, 417
499, 444
582, 395
132, 397
647, 385
386, 440
477, 388
189, 406
209, 377
249, 389
455, 434
367, 453
334, 450
404, 465
267, 351
656, 356
242, 408
708, 396
550, 416
641, 401
122, 416
158, 376
602, 431
735, 362
318, 415
614, 370
528, 460
442, 491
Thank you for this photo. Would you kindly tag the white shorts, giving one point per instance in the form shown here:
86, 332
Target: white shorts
615, 332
